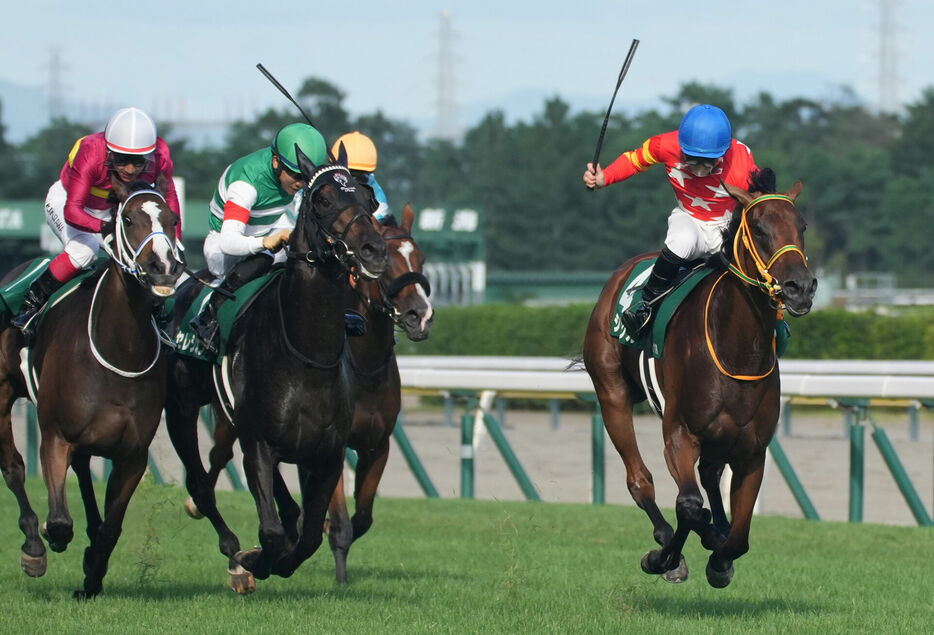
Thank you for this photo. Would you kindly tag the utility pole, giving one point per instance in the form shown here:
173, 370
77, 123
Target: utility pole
888, 57
446, 105
56, 88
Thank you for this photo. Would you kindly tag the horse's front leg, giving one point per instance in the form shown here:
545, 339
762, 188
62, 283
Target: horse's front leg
747, 479
710, 474
318, 482
81, 465
681, 452
126, 474
369, 472
260, 467
58, 529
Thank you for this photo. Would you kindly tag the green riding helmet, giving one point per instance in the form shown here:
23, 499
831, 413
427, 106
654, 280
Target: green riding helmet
307, 138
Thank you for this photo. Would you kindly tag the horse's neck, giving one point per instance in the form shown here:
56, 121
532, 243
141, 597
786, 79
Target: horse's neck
121, 316
371, 350
312, 311
747, 312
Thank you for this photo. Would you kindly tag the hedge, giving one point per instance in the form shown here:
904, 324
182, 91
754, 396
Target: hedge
507, 329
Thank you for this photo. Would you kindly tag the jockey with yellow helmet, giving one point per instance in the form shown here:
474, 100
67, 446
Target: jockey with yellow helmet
699, 156
77, 206
361, 160
251, 216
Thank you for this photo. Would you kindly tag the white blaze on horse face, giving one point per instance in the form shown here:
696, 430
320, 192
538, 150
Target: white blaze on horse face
162, 248
407, 248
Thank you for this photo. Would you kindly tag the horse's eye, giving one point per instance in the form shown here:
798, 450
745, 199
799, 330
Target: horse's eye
323, 202
127, 220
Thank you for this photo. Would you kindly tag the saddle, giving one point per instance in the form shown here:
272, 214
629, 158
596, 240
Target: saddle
11, 294
188, 344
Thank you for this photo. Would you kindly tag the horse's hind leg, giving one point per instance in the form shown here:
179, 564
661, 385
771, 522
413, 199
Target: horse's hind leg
181, 421
58, 528
744, 489
126, 474
33, 556
617, 419
339, 530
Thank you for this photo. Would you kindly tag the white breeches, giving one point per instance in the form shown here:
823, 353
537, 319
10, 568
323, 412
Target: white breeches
81, 246
691, 238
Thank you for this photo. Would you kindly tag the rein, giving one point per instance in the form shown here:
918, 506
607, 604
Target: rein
765, 282
97, 354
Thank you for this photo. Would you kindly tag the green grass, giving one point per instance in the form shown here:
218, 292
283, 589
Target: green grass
474, 566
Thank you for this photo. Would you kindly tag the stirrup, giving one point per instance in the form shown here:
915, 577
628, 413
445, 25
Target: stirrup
206, 332
636, 319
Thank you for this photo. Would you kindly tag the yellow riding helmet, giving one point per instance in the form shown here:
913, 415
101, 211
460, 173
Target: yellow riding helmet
361, 151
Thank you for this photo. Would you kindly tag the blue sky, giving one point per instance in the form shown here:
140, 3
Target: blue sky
196, 59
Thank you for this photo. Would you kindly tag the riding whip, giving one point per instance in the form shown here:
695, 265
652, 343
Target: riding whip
619, 81
268, 75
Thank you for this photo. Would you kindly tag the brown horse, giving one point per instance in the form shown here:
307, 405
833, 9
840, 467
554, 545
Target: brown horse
101, 383
289, 376
398, 297
718, 379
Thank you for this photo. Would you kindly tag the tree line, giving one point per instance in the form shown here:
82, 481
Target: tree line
867, 196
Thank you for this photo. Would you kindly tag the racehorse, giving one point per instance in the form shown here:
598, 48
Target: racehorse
718, 377
398, 298
101, 382
289, 377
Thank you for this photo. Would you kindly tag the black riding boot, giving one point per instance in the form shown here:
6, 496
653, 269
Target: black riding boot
34, 299
205, 323
661, 280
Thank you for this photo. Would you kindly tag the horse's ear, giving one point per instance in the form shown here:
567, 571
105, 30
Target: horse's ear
306, 165
118, 188
408, 217
161, 184
738, 193
342, 154
795, 190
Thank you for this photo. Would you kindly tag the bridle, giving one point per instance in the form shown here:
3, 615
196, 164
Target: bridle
388, 291
764, 281
122, 252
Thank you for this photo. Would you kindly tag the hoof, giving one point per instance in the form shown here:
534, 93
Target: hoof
192, 510
240, 580
34, 567
678, 574
57, 547
650, 562
719, 579
248, 560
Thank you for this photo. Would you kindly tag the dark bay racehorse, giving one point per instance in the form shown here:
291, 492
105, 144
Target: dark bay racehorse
289, 376
718, 376
398, 297
101, 383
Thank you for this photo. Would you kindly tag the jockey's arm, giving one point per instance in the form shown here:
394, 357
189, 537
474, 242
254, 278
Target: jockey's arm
79, 189
234, 241
167, 168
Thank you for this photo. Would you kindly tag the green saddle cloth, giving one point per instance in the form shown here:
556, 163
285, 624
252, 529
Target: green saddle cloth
632, 294
12, 293
187, 343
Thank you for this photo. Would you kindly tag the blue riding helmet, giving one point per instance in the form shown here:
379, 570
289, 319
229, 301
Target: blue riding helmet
705, 131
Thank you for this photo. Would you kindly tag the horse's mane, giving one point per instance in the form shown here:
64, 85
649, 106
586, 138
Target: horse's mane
389, 221
761, 181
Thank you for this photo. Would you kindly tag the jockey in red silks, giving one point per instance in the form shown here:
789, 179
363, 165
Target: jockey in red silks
77, 206
698, 156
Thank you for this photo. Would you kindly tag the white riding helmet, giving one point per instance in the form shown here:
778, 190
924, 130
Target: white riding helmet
130, 131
